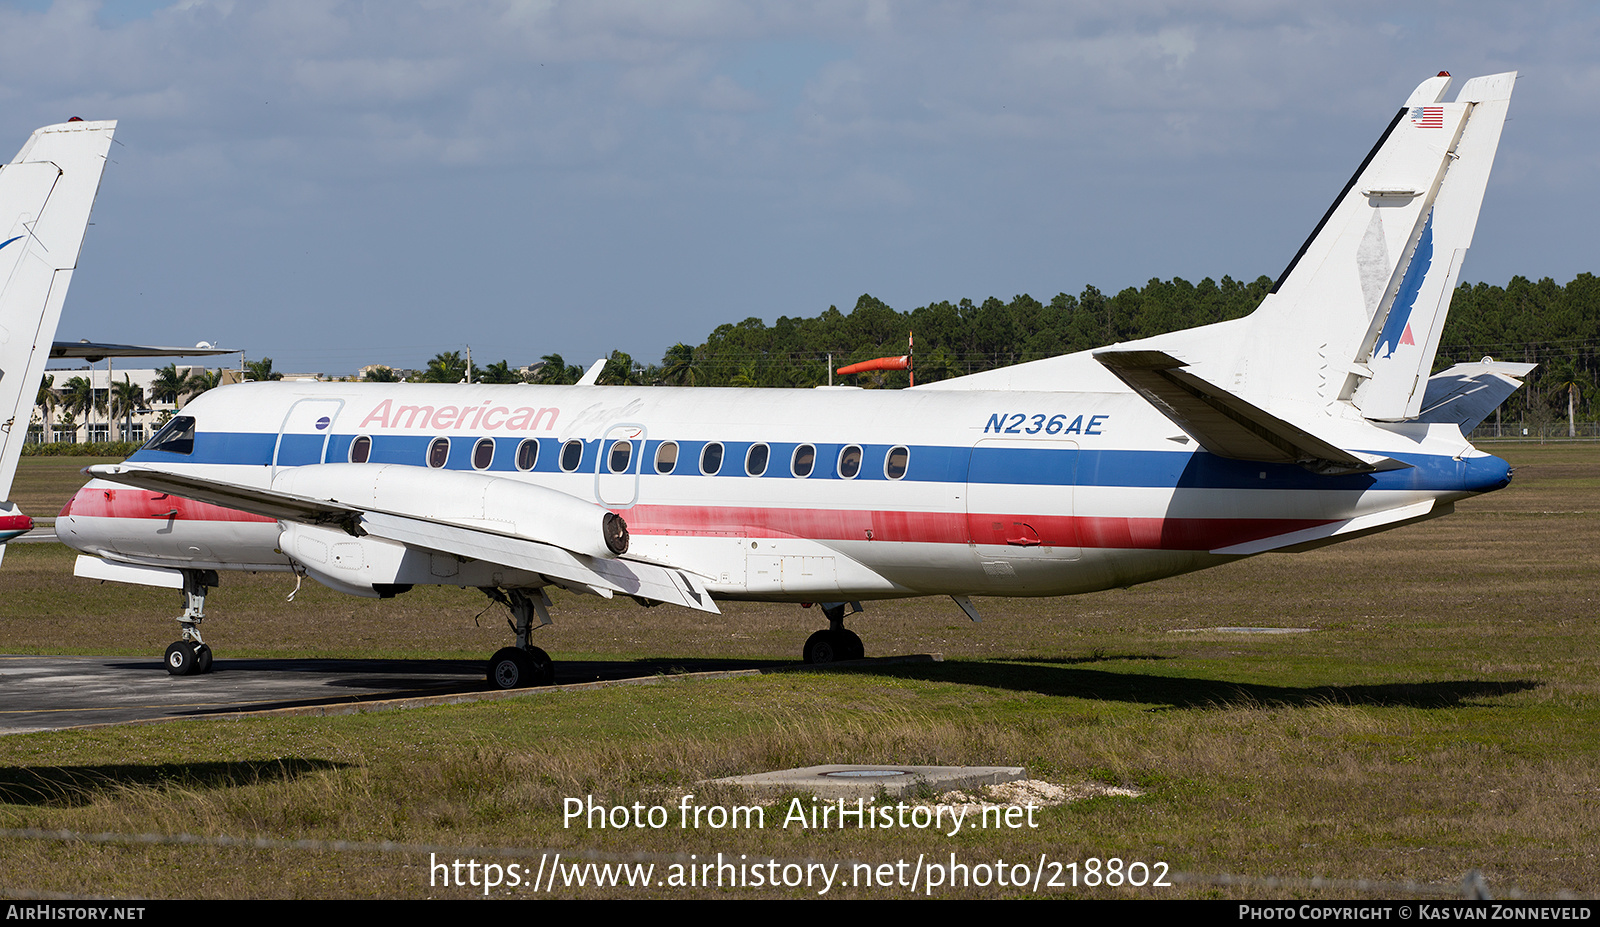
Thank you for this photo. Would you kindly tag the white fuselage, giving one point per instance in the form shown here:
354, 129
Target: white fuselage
819, 495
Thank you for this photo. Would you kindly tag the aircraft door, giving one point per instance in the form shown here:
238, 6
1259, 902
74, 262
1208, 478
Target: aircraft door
303, 437
617, 466
1020, 503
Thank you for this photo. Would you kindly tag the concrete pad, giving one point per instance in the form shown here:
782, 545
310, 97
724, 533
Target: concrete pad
1242, 630
836, 781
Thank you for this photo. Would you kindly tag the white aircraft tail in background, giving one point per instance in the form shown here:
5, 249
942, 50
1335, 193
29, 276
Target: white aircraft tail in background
46, 193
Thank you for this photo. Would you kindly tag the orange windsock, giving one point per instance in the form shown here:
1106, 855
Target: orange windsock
878, 363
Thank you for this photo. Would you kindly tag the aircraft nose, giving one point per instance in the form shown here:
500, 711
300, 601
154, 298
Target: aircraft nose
1486, 474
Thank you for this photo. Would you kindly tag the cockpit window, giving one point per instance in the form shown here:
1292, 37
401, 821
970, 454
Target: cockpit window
175, 437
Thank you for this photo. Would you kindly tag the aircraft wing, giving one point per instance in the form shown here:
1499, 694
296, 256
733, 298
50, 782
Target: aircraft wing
256, 501
96, 351
568, 567
1227, 425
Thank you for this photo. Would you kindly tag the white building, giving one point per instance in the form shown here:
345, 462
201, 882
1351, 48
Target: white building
94, 424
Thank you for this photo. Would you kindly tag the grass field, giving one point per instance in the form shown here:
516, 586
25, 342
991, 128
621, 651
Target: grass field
1442, 715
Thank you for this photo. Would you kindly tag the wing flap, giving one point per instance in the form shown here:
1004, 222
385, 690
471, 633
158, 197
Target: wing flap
645, 580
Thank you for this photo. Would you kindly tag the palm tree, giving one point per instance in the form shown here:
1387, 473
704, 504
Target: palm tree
619, 370
1565, 377
679, 366
381, 373
80, 397
446, 367
261, 370
498, 373
206, 380
170, 384
553, 369
46, 403
125, 398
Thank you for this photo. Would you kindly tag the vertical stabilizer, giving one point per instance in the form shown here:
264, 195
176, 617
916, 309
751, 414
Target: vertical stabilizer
46, 193
1358, 313
1404, 338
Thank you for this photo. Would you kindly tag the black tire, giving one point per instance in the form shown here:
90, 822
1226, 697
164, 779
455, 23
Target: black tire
823, 647
202, 659
511, 668
544, 668
180, 658
851, 646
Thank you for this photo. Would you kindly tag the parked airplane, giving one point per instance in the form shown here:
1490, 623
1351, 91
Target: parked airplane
46, 193
1309, 422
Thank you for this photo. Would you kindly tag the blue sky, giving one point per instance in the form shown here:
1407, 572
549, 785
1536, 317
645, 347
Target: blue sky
335, 184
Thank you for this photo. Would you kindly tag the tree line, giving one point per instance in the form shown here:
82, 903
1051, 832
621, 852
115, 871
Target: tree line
1554, 326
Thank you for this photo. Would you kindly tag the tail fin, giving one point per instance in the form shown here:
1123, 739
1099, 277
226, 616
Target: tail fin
46, 193
1358, 313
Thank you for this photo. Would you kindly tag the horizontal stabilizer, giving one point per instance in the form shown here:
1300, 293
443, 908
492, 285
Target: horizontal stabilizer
1466, 394
1312, 538
1225, 424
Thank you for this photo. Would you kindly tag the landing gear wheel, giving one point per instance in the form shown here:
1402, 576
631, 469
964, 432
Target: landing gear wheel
180, 658
202, 659
544, 668
827, 647
852, 648
513, 668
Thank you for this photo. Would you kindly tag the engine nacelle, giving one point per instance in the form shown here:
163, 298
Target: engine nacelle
471, 500
376, 568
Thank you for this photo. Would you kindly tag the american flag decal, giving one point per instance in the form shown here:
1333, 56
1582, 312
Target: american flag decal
1427, 117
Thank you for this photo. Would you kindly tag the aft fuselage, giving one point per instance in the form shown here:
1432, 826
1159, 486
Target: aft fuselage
792, 495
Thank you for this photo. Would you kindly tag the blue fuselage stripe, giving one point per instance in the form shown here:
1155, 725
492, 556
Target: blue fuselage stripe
926, 463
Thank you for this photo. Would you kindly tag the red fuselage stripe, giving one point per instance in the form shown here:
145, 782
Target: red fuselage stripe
819, 524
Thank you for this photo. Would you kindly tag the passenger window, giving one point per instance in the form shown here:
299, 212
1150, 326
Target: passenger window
360, 449
621, 456
571, 455
711, 459
527, 453
805, 458
667, 457
755, 460
850, 462
175, 437
438, 452
483, 454
894, 465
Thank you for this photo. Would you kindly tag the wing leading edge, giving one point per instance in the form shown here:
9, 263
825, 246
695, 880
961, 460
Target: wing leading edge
565, 567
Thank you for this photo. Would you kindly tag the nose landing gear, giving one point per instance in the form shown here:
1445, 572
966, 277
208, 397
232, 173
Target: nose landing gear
523, 665
189, 655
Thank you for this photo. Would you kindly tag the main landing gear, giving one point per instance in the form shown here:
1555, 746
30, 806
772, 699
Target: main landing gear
837, 642
523, 665
189, 655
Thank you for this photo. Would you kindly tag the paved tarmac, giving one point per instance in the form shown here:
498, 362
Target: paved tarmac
39, 693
